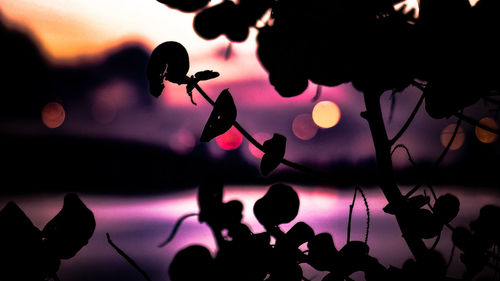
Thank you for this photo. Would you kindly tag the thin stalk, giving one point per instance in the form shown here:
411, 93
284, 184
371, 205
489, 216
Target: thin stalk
408, 122
259, 146
474, 122
350, 215
447, 148
129, 259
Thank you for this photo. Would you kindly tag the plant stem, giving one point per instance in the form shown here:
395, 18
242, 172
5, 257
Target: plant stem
386, 174
474, 122
408, 122
129, 259
259, 146
350, 215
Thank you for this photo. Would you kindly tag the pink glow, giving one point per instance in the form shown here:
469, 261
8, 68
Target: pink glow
230, 140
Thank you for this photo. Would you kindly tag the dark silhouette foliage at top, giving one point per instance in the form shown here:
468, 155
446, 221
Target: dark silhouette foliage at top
369, 43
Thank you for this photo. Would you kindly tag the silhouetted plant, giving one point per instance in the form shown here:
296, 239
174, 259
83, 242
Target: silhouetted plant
26, 253
375, 40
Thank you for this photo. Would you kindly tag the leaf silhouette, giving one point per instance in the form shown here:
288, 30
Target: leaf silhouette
169, 61
185, 5
274, 151
279, 205
21, 246
446, 207
70, 229
222, 117
322, 252
191, 263
299, 234
206, 75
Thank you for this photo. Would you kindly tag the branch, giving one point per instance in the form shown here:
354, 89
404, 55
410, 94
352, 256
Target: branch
408, 122
387, 181
474, 122
129, 259
447, 148
259, 146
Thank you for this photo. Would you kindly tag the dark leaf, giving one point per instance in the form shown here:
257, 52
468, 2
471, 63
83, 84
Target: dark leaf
222, 117
192, 263
279, 205
169, 61
322, 252
462, 238
206, 75
299, 234
20, 246
412, 203
446, 207
185, 5
425, 224
488, 224
352, 257
274, 151
70, 229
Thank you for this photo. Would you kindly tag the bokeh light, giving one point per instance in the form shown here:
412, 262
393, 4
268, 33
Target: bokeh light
261, 138
110, 98
447, 133
303, 127
53, 115
229, 140
182, 141
326, 114
483, 135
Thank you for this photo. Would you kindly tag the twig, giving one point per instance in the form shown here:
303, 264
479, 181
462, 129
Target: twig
413, 190
129, 259
259, 146
407, 153
350, 215
451, 256
474, 122
436, 241
176, 228
447, 148
408, 122
367, 212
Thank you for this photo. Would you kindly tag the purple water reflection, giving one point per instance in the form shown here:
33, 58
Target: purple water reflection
139, 224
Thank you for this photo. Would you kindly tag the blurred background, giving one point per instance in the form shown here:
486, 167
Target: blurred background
76, 116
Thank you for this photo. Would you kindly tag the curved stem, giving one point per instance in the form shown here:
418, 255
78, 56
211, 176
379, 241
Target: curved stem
129, 259
474, 122
386, 180
259, 146
408, 122
447, 148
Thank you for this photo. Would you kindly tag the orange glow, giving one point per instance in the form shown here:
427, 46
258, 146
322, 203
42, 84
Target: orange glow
326, 114
53, 115
487, 136
261, 138
447, 133
303, 127
230, 140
